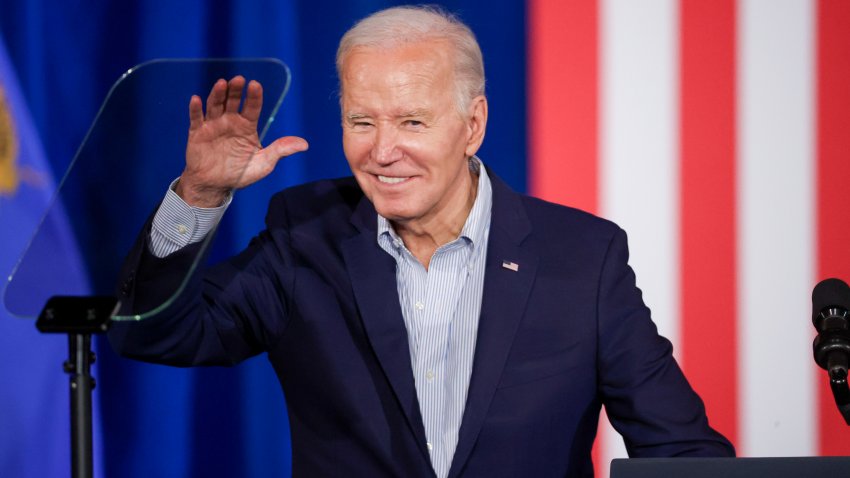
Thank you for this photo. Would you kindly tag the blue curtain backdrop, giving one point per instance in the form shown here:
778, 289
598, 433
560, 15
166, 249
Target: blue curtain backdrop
168, 422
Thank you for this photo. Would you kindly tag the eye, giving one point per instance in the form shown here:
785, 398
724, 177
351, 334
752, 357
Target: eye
414, 123
360, 124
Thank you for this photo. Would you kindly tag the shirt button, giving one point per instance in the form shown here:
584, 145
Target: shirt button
429, 375
181, 229
419, 305
430, 446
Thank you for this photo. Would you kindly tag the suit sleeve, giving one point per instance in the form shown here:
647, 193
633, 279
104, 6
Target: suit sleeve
647, 398
221, 315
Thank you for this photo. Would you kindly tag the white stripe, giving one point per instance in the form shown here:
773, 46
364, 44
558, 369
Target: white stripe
639, 144
639, 149
776, 224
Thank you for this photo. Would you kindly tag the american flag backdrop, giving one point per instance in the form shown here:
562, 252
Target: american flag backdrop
717, 133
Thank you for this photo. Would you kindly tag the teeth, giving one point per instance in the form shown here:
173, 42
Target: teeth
389, 180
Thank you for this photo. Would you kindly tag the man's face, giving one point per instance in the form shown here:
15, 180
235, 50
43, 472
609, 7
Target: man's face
405, 140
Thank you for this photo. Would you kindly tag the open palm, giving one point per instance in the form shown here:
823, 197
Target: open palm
223, 151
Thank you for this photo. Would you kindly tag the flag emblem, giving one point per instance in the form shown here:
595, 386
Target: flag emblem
8, 149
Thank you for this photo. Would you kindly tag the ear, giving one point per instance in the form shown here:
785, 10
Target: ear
476, 124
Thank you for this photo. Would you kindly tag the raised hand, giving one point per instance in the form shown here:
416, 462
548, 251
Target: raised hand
223, 151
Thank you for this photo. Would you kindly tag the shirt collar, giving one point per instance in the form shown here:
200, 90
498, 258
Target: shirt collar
478, 221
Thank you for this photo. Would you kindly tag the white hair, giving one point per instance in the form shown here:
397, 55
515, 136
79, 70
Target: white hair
413, 24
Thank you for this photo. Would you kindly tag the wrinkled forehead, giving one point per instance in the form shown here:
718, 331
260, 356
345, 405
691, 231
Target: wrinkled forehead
394, 84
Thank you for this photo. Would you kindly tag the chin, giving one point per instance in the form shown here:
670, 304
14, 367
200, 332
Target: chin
393, 214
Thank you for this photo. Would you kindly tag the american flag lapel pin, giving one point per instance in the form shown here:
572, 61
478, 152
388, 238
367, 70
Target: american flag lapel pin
510, 265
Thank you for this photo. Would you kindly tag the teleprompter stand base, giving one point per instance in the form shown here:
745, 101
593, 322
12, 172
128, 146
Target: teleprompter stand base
79, 318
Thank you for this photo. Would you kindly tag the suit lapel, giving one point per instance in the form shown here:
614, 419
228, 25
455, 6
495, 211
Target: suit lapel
503, 305
373, 279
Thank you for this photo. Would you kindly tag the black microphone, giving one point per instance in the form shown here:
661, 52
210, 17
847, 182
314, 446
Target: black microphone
831, 318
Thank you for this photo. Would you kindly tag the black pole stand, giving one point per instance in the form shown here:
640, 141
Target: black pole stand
79, 318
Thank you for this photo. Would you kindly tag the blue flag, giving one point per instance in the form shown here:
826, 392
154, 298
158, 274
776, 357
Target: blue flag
34, 397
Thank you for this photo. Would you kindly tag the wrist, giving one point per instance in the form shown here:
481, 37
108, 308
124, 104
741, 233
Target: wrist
201, 196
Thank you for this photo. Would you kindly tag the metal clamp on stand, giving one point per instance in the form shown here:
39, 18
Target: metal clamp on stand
79, 318
831, 347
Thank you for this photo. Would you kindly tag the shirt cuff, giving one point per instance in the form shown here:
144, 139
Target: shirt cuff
177, 224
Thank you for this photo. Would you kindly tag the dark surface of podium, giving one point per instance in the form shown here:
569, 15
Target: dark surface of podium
785, 467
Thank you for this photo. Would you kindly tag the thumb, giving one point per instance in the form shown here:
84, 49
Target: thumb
285, 146
266, 159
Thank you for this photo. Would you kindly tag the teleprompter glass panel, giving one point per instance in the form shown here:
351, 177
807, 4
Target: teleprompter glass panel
133, 150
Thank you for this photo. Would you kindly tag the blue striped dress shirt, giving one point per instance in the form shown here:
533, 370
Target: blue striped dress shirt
441, 307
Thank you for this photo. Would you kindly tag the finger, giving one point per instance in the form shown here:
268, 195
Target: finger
253, 102
234, 94
196, 113
215, 101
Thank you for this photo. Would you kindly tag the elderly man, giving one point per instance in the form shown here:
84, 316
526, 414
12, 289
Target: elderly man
422, 318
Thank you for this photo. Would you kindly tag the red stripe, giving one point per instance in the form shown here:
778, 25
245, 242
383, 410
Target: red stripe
563, 97
833, 140
708, 232
562, 113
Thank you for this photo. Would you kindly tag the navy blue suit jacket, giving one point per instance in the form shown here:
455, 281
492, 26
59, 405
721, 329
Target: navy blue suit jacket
559, 337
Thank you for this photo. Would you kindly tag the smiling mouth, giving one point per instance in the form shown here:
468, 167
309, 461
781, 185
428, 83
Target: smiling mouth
391, 180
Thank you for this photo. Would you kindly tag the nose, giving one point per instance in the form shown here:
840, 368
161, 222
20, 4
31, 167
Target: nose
385, 151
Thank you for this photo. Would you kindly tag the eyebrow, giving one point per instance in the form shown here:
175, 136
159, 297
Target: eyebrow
355, 116
414, 113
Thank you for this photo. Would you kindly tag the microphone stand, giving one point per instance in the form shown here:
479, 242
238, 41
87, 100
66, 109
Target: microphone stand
832, 352
841, 392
